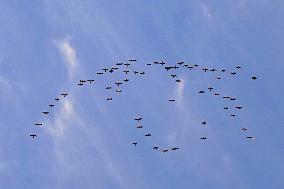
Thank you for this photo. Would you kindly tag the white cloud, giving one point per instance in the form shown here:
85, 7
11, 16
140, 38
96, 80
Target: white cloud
206, 12
65, 116
69, 55
179, 92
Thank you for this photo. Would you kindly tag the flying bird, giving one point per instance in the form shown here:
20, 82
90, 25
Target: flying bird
64, 94
33, 135
175, 148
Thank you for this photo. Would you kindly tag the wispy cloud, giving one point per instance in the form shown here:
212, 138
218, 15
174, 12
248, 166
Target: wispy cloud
64, 117
180, 90
69, 55
206, 12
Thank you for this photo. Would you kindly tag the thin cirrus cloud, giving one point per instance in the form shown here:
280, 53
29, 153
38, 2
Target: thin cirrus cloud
68, 53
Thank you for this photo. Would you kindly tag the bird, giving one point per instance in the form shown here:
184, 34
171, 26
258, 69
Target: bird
251, 137
135, 143
51, 105
253, 78
174, 148
33, 135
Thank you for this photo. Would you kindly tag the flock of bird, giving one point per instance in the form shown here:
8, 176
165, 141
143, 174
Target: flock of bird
125, 69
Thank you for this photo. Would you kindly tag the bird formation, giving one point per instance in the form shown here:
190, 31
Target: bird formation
126, 71
138, 119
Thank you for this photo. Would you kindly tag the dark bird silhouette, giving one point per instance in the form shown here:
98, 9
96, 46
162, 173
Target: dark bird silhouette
232, 98
108, 88
223, 70
111, 70
132, 60
33, 135
213, 70
226, 108
175, 148
210, 88
172, 100
173, 75
201, 92
178, 80
142, 73
51, 105
118, 91
38, 124
90, 80
233, 73
118, 83
226, 97
196, 65
203, 122
45, 113
175, 67
203, 138
218, 77
216, 94
155, 148
119, 64
185, 65
135, 143
80, 84
148, 134
126, 71
149, 64
189, 67
162, 63
233, 115
127, 64
57, 99
205, 69
126, 80
238, 67
168, 68
135, 72
138, 119
100, 73
251, 137
165, 150
239, 107
109, 98
139, 127
180, 63
244, 129
64, 94
253, 78
105, 69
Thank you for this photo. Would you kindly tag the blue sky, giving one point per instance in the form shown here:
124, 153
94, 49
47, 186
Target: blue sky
46, 46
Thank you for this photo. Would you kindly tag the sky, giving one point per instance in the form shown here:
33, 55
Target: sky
86, 142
